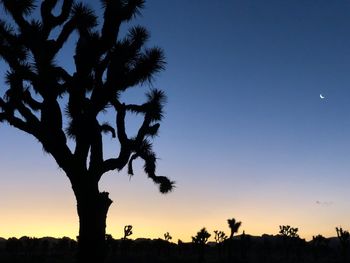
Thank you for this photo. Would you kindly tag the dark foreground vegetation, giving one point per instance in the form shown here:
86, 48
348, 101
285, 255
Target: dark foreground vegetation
242, 248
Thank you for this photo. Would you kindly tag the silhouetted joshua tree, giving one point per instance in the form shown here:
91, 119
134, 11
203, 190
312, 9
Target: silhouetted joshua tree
106, 65
220, 236
200, 240
288, 231
127, 231
234, 226
344, 238
167, 236
290, 240
201, 237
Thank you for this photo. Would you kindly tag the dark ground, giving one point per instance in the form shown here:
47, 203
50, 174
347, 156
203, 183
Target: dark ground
269, 249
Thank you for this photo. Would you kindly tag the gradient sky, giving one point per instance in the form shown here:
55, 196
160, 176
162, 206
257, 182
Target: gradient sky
246, 134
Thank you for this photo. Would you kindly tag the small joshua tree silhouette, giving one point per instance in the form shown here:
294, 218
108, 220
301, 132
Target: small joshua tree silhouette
200, 240
220, 236
234, 226
167, 236
290, 240
288, 231
344, 238
202, 237
127, 231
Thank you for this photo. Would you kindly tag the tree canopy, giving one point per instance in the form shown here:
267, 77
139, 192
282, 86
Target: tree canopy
106, 65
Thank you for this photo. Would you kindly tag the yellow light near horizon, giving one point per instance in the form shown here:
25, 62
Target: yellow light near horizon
152, 215
32, 228
28, 217
39, 226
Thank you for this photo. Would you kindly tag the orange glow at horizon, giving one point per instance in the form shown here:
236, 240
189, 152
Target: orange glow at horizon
68, 226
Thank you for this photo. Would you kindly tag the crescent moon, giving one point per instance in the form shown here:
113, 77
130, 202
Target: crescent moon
321, 96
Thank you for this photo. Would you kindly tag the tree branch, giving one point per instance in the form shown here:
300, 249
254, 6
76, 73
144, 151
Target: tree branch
28, 99
49, 20
116, 163
53, 142
125, 143
2, 117
110, 27
67, 30
17, 123
96, 151
28, 115
17, 11
120, 120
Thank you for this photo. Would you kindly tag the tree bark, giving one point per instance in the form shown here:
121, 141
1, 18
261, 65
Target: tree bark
92, 209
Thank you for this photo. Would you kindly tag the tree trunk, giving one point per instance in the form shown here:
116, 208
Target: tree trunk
92, 209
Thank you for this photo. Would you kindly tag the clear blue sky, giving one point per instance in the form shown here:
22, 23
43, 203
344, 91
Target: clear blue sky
246, 134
